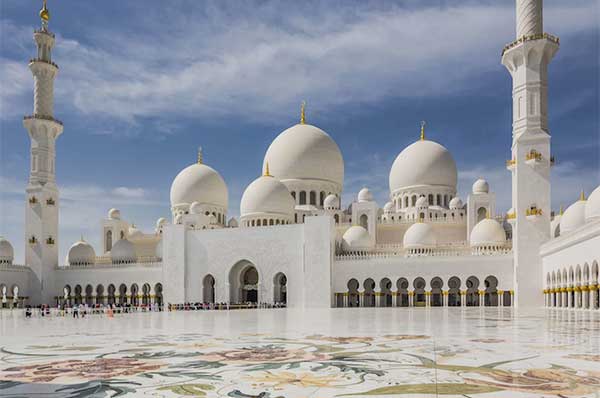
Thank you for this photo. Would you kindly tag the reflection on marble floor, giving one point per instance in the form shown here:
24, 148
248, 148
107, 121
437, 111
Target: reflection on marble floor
491, 353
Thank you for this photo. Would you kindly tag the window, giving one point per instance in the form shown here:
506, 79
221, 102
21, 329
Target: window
302, 197
313, 198
322, 198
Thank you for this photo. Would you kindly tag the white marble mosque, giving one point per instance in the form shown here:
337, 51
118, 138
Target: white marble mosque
296, 243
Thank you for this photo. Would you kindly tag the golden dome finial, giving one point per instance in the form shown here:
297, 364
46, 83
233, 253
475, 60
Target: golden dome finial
561, 211
267, 173
303, 113
582, 195
423, 124
45, 14
199, 155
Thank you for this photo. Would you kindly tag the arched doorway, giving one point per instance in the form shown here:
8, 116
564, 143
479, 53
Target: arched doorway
78, 291
437, 299
111, 294
472, 292
208, 289
454, 292
244, 283
158, 295
89, 292
100, 294
491, 291
481, 213
353, 298
123, 294
386, 292
402, 298
419, 285
280, 289
146, 293
134, 294
369, 297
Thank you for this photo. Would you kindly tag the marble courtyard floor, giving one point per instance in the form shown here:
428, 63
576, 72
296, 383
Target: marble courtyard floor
393, 352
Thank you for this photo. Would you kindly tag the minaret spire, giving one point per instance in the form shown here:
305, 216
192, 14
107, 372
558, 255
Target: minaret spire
423, 124
303, 113
42, 195
527, 60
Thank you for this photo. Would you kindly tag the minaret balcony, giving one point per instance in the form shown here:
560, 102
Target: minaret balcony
42, 117
534, 158
33, 60
522, 39
50, 241
50, 202
33, 240
510, 164
33, 200
533, 213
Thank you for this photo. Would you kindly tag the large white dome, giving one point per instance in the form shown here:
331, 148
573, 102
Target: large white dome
7, 253
573, 217
592, 208
81, 253
267, 195
123, 251
419, 235
199, 183
488, 232
305, 152
356, 238
423, 163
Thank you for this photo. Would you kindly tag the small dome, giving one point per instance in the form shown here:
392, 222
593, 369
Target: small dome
114, 214
456, 203
158, 251
488, 232
178, 219
232, 223
134, 233
388, 207
199, 183
331, 202
365, 195
592, 209
422, 203
423, 163
160, 222
195, 208
356, 238
481, 186
304, 151
267, 195
573, 217
7, 253
419, 235
81, 253
123, 251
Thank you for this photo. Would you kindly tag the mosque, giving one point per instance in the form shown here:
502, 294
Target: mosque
296, 243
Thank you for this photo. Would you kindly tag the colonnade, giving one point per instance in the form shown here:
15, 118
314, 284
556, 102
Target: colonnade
578, 297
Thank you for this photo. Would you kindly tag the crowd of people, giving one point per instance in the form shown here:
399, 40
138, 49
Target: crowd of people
83, 310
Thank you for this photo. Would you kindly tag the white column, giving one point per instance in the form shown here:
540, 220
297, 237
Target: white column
500, 298
482, 298
463, 298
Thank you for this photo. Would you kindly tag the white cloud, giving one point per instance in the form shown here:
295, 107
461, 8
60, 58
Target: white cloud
240, 63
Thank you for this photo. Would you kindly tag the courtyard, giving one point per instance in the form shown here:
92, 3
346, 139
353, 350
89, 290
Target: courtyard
292, 353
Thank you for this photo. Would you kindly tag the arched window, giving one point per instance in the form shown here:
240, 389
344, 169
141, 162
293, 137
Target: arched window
413, 200
481, 213
302, 197
336, 218
108, 241
322, 198
296, 218
439, 200
364, 221
313, 198
271, 221
430, 199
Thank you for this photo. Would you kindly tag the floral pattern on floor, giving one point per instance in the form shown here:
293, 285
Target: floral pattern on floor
299, 365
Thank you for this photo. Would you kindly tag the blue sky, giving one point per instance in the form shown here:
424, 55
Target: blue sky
143, 84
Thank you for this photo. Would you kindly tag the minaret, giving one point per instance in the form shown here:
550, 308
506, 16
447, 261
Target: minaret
527, 60
41, 207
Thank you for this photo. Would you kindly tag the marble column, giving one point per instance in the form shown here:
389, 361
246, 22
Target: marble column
512, 298
428, 299
378, 298
482, 298
445, 298
500, 298
463, 298
361, 298
411, 298
345, 303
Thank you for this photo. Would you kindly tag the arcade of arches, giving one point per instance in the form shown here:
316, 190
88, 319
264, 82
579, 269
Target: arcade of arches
573, 287
112, 294
416, 293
